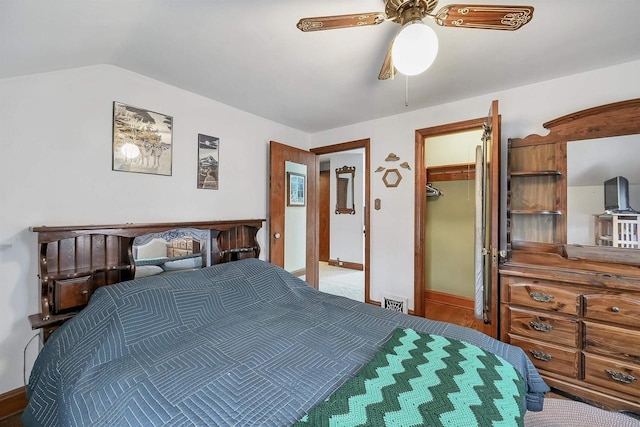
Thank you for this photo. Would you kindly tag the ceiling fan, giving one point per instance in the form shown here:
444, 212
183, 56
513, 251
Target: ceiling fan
404, 52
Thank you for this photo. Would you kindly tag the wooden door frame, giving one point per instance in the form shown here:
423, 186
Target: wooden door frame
421, 200
346, 146
325, 228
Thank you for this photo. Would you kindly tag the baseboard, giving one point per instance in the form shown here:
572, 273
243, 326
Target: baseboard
346, 264
300, 272
12, 402
449, 299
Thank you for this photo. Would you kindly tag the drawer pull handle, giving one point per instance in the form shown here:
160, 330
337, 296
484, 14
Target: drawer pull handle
540, 297
84, 292
542, 327
620, 376
615, 309
545, 357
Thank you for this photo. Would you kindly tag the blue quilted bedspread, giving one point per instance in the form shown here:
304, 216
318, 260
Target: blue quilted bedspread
243, 343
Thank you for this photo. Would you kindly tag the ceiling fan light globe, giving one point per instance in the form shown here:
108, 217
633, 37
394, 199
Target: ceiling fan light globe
414, 48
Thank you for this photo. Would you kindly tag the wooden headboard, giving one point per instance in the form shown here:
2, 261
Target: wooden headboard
76, 260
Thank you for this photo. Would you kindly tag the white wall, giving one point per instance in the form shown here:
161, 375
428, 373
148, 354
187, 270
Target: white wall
55, 169
523, 112
582, 203
295, 228
347, 239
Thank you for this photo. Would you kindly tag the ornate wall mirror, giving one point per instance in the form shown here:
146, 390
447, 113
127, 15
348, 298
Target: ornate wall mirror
344, 190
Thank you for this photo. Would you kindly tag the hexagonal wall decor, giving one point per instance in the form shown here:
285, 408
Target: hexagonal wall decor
392, 177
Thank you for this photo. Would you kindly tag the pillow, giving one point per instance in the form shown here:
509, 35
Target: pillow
183, 264
151, 261
147, 270
156, 248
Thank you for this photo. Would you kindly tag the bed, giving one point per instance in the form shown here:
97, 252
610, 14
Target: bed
246, 343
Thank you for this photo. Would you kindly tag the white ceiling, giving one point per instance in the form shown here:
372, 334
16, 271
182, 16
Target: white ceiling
249, 54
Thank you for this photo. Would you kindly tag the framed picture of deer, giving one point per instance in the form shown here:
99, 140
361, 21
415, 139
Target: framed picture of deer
142, 140
208, 157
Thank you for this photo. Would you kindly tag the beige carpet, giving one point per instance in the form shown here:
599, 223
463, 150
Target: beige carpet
568, 413
341, 281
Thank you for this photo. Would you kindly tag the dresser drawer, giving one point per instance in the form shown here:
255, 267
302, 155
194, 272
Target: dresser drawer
72, 293
544, 327
618, 308
613, 341
545, 295
550, 357
615, 375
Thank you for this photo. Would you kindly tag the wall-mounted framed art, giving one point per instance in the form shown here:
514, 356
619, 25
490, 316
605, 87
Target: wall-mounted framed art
208, 162
142, 140
295, 189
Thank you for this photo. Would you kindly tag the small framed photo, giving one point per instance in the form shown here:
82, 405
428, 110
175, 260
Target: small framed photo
208, 161
295, 189
142, 140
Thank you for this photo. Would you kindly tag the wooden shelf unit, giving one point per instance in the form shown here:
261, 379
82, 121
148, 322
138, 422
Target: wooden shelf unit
618, 230
534, 186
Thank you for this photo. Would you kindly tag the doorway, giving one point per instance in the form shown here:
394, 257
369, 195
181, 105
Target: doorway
453, 177
344, 235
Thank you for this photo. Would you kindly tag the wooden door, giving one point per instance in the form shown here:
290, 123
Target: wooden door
280, 154
324, 214
491, 140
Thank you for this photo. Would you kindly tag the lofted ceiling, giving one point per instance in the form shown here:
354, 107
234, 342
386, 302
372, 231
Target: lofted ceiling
250, 55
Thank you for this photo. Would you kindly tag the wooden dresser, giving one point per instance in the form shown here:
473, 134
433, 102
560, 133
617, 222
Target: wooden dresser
580, 328
574, 309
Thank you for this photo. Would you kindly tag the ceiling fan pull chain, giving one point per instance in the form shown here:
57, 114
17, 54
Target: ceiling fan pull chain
406, 91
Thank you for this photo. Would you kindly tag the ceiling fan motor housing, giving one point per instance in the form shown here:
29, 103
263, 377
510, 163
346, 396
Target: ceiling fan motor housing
403, 11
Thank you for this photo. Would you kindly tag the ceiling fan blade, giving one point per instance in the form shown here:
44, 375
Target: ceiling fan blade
388, 70
488, 17
340, 21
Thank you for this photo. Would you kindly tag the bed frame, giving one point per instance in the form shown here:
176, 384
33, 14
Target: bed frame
76, 260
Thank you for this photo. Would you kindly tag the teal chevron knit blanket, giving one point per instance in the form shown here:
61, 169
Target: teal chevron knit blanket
426, 380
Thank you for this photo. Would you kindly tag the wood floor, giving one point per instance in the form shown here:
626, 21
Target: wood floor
458, 316
12, 421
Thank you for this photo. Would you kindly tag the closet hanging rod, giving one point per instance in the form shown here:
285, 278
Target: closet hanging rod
432, 191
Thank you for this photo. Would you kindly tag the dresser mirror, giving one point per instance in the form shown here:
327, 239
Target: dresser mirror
555, 200
169, 251
601, 143
589, 164
345, 196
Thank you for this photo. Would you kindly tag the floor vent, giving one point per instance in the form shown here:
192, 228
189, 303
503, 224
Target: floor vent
394, 303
